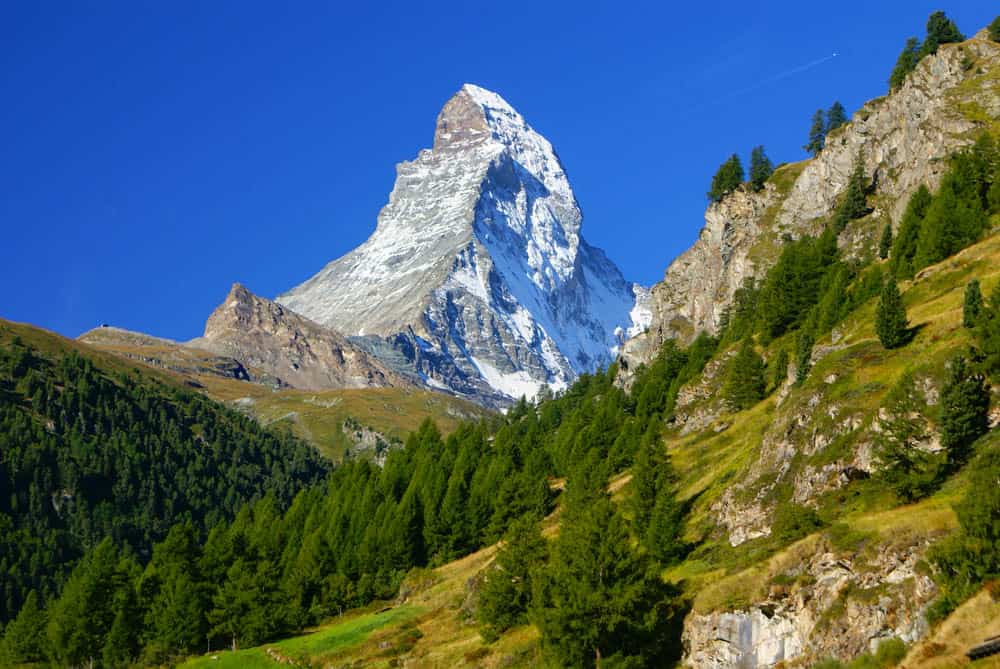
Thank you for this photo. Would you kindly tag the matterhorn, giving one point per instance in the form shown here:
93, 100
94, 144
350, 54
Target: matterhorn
477, 279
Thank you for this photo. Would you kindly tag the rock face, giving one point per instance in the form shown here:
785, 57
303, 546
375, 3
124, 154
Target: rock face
292, 349
832, 606
167, 354
477, 277
904, 140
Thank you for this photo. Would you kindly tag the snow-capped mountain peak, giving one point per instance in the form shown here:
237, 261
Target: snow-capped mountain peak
476, 275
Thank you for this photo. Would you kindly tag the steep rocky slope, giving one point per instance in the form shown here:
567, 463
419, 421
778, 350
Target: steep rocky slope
477, 277
903, 139
167, 354
292, 349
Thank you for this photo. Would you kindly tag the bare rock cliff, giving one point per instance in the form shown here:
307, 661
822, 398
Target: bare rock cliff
303, 354
904, 138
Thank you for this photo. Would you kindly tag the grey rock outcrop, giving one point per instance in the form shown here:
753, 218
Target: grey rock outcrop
830, 606
904, 139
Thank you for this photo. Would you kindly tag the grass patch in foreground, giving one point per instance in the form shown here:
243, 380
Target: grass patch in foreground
322, 643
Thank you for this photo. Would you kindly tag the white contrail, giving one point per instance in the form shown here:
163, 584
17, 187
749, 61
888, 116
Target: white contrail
778, 77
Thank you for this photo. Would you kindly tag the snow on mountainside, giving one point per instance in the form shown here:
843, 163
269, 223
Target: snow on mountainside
477, 278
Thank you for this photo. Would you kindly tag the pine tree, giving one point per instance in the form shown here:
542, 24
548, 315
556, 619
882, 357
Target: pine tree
965, 403
890, 317
779, 371
505, 595
904, 246
987, 334
994, 29
24, 639
599, 601
973, 304
910, 470
82, 622
853, 204
885, 243
836, 116
176, 599
726, 179
761, 168
940, 30
906, 63
647, 477
954, 219
803, 356
666, 525
745, 383
817, 133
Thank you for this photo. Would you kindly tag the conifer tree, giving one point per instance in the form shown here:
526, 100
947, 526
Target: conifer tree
666, 525
505, 595
940, 30
973, 304
726, 179
85, 620
885, 243
994, 29
817, 133
904, 246
745, 383
836, 116
599, 602
761, 168
779, 372
803, 356
647, 475
24, 639
175, 597
890, 317
832, 306
954, 219
987, 333
910, 470
853, 204
905, 64
965, 403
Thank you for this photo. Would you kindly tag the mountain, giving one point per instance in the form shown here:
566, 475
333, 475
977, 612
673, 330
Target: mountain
477, 277
293, 350
168, 354
903, 139
794, 490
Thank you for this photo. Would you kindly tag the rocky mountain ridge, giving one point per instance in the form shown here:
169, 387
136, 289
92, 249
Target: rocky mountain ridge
292, 349
903, 139
477, 277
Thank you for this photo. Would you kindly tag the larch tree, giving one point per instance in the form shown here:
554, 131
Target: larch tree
885, 243
761, 168
836, 116
727, 179
972, 306
965, 404
890, 317
817, 133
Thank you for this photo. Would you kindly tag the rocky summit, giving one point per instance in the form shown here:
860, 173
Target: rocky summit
477, 279
290, 349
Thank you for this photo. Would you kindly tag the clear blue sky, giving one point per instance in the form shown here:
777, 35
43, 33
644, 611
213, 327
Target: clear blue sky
155, 152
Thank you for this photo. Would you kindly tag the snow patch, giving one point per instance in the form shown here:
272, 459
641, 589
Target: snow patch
512, 384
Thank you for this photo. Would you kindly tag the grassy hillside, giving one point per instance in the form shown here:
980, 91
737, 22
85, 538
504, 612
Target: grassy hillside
92, 447
860, 520
319, 416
